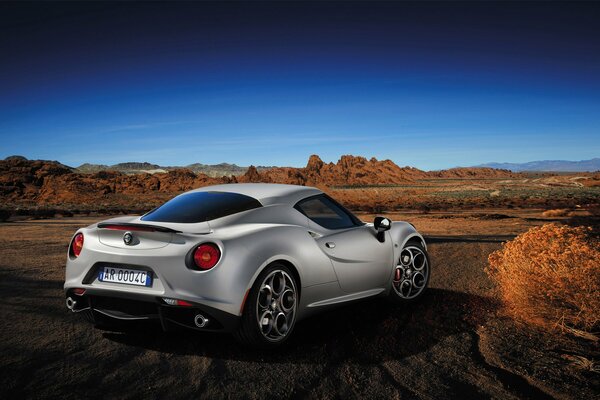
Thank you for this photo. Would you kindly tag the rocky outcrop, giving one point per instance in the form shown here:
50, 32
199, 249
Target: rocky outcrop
39, 182
472, 172
315, 164
16, 157
252, 176
348, 171
47, 182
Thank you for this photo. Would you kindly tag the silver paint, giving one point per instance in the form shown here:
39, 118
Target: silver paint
334, 266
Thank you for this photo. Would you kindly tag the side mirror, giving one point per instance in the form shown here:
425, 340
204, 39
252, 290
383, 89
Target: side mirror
381, 224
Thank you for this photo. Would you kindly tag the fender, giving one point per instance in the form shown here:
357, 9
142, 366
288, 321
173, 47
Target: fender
401, 233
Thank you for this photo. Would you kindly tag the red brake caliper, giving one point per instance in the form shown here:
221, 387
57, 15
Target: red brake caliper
397, 275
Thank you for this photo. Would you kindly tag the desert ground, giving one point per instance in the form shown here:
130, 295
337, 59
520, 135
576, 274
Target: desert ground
456, 342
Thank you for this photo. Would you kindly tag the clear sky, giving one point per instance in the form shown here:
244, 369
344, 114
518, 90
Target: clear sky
431, 85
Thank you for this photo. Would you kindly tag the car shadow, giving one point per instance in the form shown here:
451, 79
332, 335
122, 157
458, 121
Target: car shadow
24, 294
367, 332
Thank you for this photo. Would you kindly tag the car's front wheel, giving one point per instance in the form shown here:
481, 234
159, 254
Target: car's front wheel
411, 274
270, 311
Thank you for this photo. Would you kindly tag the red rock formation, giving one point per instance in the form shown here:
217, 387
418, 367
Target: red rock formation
473, 172
49, 182
252, 175
348, 171
592, 181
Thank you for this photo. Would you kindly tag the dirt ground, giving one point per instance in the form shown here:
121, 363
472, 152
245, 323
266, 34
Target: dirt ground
456, 342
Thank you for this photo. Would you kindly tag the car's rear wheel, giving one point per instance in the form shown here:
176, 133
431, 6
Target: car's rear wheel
270, 311
411, 274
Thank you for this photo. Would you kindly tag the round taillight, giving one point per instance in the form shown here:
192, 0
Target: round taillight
206, 256
77, 244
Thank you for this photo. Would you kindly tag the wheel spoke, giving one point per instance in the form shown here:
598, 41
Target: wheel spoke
406, 257
277, 283
287, 300
418, 280
281, 324
266, 322
264, 296
405, 288
418, 261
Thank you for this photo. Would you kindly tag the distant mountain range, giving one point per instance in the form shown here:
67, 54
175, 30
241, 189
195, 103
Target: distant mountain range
225, 169
216, 170
549, 166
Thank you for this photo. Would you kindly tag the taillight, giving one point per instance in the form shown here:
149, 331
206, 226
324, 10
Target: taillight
77, 244
206, 256
175, 302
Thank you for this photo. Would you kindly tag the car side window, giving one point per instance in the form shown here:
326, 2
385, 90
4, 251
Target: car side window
325, 212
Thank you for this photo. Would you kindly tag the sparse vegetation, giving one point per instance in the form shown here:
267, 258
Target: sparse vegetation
559, 212
550, 276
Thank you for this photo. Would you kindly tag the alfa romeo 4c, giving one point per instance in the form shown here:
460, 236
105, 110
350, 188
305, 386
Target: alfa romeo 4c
251, 259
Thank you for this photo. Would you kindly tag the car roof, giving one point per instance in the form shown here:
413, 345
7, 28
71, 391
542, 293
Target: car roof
266, 193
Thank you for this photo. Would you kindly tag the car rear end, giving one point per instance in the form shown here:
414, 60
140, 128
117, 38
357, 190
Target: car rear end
129, 271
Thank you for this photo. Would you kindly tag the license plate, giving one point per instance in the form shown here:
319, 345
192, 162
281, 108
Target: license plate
124, 275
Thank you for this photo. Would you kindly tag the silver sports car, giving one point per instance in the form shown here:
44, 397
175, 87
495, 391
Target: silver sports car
252, 259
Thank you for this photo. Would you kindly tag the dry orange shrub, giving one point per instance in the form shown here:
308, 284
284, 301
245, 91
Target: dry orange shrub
561, 212
550, 276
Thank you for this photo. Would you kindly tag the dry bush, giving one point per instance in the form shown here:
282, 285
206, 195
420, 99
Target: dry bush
579, 213
550, 276
556, 213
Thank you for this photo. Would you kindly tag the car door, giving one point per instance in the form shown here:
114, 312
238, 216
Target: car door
361, 262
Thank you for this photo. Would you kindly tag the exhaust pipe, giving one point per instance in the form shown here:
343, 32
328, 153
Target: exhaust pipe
71, 303
200, 321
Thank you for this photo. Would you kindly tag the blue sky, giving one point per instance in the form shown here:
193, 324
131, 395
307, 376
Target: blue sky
431, 85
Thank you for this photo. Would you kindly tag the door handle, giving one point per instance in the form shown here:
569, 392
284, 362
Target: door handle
330, 245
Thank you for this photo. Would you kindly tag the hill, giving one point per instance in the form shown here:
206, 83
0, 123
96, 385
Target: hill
29, 184
549, 166
129, 168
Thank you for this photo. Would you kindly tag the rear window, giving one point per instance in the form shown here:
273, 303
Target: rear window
201, 206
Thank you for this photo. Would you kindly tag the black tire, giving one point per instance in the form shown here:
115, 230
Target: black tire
394, 293
249, 332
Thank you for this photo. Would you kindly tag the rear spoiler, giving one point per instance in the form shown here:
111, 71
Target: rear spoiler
129, 226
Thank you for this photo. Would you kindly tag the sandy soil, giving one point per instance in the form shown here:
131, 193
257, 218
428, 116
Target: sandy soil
454, 343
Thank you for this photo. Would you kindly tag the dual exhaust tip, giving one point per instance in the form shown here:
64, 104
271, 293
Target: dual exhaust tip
199, 320
71, 303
